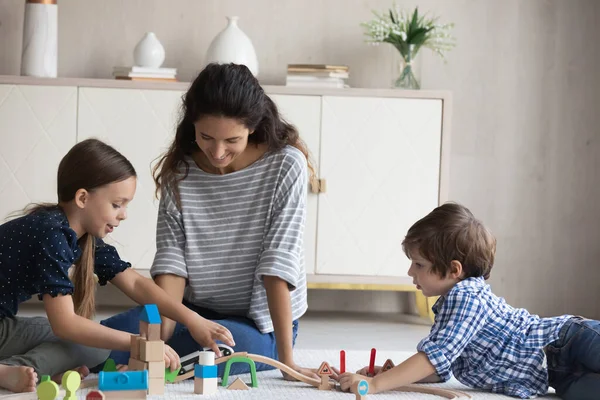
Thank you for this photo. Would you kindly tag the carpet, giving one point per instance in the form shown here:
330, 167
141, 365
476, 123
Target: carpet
272, 386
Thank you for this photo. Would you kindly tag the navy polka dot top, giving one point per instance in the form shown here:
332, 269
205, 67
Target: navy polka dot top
36, 252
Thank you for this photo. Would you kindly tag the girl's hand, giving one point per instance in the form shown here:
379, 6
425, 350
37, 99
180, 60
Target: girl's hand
206, 333
309, 372
171, 358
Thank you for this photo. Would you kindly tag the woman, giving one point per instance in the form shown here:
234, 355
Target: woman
233, 188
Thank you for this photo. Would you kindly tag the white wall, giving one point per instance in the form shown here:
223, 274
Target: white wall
525, 137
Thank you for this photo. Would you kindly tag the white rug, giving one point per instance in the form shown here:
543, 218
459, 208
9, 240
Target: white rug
272, 386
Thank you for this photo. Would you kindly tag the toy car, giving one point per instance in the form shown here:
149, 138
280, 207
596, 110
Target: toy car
188, 362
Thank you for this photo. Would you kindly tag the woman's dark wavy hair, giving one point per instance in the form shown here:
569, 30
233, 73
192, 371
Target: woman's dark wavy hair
231, 91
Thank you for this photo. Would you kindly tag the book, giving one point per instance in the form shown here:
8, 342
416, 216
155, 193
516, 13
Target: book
316, 67
144, 70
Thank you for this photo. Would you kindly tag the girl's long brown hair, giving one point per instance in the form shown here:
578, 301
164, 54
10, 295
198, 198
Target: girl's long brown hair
89, 165
226, 90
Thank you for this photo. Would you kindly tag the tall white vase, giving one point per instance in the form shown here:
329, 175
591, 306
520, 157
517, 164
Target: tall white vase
232, 45
40, 44
149, 52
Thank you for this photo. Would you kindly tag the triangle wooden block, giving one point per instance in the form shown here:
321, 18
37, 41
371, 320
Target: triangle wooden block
238, 384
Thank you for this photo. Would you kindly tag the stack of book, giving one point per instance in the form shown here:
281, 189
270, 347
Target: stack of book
317, 75
145, 74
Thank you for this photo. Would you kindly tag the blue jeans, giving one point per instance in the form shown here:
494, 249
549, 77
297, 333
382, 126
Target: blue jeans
574, 360
246, 335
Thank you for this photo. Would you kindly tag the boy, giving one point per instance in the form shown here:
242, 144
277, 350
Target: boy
477, 337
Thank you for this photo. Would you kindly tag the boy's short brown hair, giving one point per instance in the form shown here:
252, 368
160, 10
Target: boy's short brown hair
451, 232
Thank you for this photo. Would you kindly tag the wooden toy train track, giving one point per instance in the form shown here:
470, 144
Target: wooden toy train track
445, 393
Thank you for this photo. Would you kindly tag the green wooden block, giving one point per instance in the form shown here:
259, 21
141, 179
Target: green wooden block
171, 375
110, 366
47, 389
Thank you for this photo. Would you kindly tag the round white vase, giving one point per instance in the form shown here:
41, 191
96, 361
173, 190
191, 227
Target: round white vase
232, 45
149, 52
40, 44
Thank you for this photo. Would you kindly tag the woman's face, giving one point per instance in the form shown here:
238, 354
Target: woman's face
221, 139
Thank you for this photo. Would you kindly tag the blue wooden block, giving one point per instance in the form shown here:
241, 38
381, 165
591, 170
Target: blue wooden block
128, 380
150, 314
205, 371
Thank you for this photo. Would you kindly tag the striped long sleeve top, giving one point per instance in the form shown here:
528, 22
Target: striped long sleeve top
234, 229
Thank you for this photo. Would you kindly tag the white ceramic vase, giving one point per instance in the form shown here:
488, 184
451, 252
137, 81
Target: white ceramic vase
149, 52
40, 44
232, 45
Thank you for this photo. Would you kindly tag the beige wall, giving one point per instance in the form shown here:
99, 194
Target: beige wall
525, 137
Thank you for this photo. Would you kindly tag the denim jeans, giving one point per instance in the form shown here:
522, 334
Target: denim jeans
29, 341
246, 335
574, 360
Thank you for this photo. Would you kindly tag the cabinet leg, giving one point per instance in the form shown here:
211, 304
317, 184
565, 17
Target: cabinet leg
424, 305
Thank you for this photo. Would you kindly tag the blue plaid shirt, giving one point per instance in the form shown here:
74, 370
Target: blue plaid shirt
487, 344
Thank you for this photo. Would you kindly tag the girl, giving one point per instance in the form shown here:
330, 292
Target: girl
231, 218
95, 185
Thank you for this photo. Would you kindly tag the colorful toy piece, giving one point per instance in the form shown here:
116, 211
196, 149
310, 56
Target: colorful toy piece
121, 385
342, 361
47, 389
324, 372
71, 381
147, 350
238, 384
232, 360
205, 374
389, 364
95, 395
360, 389
110, 366
372, 363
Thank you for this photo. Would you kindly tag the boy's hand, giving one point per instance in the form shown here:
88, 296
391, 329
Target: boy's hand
365, 371
347, 380
171, 358
206, 333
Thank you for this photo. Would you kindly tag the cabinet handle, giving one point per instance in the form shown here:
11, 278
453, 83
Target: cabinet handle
322, 185
318, 185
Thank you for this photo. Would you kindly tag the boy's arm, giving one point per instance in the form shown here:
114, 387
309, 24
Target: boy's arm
412, 370
433, 378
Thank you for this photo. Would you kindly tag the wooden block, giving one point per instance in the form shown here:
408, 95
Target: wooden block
156, 386
205, 385
150, 331
152, 350
137, 365
135, 346
156, 369
238, 384
124, 394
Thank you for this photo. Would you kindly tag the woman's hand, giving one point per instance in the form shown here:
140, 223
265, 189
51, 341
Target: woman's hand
309, 372
206, 333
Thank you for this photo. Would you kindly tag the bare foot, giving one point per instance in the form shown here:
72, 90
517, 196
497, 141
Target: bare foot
17, 378
83, 372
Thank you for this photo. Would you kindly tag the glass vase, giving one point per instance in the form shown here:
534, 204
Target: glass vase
406, 71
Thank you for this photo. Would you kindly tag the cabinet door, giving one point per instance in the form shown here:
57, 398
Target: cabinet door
140, 124
381, 160
305, 113
37, 128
